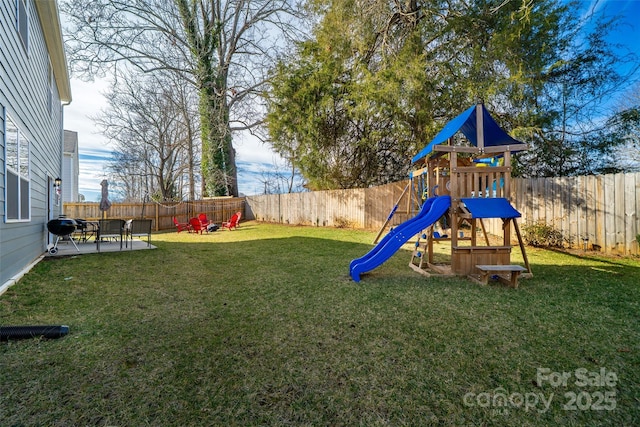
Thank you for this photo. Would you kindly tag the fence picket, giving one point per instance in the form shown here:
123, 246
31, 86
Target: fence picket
605, 209
217, 210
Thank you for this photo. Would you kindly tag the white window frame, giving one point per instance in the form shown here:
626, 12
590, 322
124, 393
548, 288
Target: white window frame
18, 167
22, 20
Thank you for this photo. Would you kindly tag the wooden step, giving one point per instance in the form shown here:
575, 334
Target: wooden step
486, 271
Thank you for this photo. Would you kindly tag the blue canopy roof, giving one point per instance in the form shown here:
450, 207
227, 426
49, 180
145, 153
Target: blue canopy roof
490, 208
467, 124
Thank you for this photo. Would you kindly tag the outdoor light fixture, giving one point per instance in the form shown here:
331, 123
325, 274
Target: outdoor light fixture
56, 185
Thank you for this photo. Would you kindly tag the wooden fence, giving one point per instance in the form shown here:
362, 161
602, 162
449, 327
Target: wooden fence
356, 208
599, 212
217, 210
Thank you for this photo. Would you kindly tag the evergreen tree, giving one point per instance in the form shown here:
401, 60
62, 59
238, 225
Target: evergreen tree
377, 80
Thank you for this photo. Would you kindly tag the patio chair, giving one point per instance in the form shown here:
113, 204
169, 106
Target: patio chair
233, 221
86, 229
140, 228
125, 231
110, 229
196, 225
181, 226
204, 221
80, 232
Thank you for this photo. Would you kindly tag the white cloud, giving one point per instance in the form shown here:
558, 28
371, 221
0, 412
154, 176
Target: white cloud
92, 172
253, 157
94, 149
251, 149
88, 102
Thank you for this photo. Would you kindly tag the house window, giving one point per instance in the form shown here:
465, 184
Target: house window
22, 22
17, 206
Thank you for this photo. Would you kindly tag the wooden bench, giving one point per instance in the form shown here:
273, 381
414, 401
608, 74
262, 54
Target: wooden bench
487, 271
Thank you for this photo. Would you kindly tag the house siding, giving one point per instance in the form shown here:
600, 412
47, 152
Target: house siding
2, 166
24, 87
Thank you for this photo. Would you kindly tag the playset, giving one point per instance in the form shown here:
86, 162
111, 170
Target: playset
463, 182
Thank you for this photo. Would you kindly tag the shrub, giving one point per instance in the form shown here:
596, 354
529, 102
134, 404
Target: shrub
541, 234
341, 222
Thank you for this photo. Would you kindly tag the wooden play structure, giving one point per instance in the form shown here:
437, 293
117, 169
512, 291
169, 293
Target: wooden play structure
476, 173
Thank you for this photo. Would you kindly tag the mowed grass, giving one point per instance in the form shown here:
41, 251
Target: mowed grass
263, 326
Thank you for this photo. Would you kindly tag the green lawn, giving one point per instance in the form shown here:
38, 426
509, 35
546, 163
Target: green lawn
263, 326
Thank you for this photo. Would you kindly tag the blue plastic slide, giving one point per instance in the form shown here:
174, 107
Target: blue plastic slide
432, 209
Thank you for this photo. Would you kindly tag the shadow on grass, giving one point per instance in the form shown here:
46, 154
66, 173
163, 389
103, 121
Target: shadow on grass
597, 257
305, 259
266, 327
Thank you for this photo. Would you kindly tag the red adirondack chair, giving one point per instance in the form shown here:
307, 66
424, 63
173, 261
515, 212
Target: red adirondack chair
204, 220
233, 222
196, 225
181, 226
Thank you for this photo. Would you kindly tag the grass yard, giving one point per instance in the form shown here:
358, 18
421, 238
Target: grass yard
263, 326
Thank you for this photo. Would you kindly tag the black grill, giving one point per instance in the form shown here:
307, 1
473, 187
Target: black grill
61, 227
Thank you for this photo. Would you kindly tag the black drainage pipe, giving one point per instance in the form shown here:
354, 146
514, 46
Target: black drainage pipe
21, 332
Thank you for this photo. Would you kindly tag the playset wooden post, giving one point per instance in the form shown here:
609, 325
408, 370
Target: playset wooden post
480, 188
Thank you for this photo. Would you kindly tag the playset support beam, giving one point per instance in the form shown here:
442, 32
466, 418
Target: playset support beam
449, 169
393, 211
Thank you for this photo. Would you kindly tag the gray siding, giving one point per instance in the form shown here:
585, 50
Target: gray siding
24, 87
2, 165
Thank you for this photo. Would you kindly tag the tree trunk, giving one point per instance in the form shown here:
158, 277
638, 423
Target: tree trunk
218, 156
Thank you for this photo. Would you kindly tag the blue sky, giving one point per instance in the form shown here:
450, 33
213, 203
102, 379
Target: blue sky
254, 159
628, 33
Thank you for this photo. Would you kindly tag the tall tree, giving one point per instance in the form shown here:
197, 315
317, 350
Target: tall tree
153, 146
379, 79
347, 108
222, 47
626, 126
568, 112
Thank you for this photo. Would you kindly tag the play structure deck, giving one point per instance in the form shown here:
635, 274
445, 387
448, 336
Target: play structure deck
464, 182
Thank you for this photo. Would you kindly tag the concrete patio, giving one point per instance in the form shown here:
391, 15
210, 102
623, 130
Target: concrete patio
66, 248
